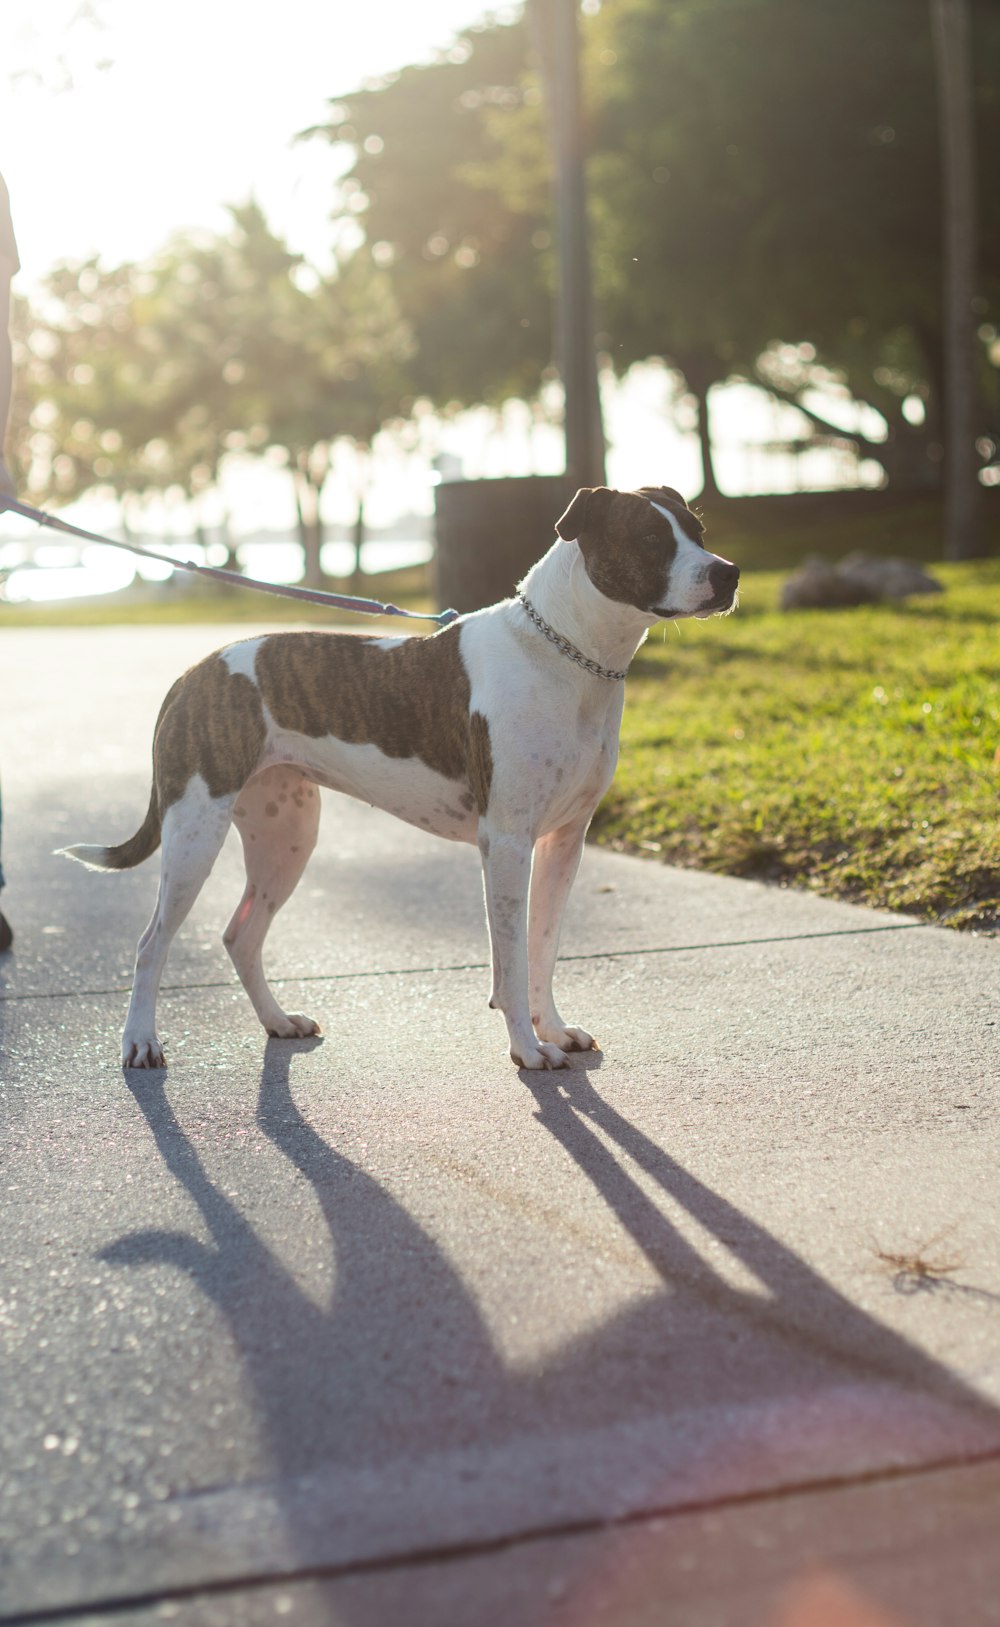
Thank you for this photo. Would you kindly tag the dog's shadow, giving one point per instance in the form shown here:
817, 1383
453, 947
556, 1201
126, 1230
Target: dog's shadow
326, 1378
401, 1359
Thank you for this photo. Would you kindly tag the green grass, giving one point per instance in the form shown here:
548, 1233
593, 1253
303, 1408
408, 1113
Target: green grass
856, 753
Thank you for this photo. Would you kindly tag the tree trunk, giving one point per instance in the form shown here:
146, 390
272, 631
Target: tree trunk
556, 32
310, 526
362, 452
358, 539
963, 536
932, 344
699, 379
709, 484
226, 538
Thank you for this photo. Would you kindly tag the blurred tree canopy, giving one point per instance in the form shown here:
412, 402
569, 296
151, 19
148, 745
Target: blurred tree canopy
765, 195
142, 378
763, 174
452, 194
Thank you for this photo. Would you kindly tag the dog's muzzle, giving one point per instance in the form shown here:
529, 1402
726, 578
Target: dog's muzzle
723, 579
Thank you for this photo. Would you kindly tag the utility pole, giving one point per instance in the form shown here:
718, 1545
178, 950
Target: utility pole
557, 36
950, 23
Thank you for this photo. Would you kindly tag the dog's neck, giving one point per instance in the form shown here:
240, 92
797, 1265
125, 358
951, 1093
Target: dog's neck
602, 628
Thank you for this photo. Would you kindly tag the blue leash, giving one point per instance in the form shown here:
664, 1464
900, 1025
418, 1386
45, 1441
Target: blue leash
336, 601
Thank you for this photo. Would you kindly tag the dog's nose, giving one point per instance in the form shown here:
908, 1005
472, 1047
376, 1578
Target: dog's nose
723, 577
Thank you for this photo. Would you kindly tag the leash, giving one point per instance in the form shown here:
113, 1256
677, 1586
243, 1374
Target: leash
336, 601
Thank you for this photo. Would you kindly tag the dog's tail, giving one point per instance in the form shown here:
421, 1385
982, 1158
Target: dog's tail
138, 847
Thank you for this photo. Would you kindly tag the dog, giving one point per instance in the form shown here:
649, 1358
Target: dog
501, 729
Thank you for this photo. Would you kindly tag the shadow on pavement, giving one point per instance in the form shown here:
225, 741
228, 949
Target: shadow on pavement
334, 1384
402, 1362
798, 1307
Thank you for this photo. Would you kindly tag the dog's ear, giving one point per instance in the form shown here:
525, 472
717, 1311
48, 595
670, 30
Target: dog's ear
663, 491
691, 521
585, 512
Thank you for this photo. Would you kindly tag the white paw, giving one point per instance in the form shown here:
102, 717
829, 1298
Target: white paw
142, 1053
567, 1038
540, 1056
576, 1039
293, 1026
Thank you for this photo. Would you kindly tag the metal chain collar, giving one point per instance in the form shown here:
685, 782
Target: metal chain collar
569, 649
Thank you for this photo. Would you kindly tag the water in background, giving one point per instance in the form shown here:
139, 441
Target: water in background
35, 572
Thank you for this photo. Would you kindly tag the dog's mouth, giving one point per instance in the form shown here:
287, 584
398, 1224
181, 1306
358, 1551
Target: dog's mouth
721, 605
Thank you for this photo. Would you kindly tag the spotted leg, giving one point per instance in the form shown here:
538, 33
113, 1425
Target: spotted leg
194, 829
557, 858
277, 816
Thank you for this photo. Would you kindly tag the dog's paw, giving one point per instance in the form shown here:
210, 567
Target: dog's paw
143, 1053
576, 1040
293, 1026
540, 1056
572, 1039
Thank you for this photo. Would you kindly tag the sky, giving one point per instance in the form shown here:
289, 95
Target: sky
176, 109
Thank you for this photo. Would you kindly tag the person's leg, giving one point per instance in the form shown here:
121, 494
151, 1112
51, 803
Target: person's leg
8, 266
6, 935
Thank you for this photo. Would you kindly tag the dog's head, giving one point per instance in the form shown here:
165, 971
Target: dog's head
645, 549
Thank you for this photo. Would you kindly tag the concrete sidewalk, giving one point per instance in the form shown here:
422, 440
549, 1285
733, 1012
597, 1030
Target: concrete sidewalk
375, 1329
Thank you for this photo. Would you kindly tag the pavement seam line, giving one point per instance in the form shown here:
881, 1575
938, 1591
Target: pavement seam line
474, 965
117, 1604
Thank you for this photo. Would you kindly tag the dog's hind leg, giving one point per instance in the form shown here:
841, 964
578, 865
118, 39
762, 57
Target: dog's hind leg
557, 859
194, 829
277, 816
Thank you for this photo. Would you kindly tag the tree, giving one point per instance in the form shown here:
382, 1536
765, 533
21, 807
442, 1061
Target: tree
371, 386
91, 388
435, 157
785, 191
145, 377
320, 360
762, 171
952, 45
556, 29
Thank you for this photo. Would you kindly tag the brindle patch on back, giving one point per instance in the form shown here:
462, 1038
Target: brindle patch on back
211, 723
410, 699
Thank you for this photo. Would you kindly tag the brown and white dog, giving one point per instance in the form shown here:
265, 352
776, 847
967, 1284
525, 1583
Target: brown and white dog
502, 730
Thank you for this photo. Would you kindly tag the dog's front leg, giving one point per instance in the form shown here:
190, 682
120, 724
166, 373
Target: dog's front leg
557, 859
506, 876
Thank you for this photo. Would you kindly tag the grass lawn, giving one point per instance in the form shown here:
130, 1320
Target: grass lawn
853, 752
